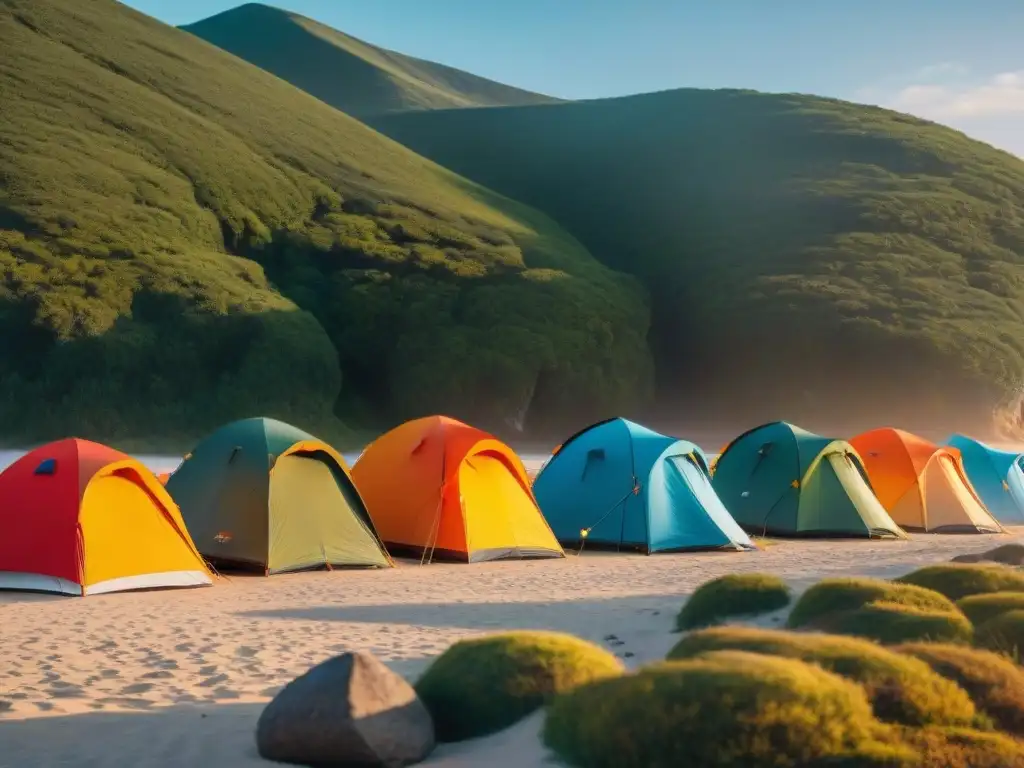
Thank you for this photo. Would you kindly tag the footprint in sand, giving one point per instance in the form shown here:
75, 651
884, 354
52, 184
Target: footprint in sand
160, 674
110, 673
135, 688
246, 652
212, 681
6, 706
183, 647
63, 690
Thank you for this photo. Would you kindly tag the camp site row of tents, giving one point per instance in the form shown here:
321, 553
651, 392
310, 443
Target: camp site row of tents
77, 517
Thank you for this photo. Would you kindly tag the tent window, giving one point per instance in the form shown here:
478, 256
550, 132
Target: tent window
46, 467
594, 455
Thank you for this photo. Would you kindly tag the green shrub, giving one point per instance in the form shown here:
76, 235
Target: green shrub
1004, 634
738, 594
890, 623
901, 689
959, 748
845, 594
994, 683
959, 580
727, 709
483, 685
981, 608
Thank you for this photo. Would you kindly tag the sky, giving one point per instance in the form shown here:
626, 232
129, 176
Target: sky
956, 62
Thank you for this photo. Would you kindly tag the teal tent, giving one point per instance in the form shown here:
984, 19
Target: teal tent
778, 479
997, 476
260, 493
619, 484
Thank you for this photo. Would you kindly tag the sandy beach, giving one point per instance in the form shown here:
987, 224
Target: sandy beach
179, 677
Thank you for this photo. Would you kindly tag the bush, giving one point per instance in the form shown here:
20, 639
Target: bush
483, 685
994, 683
981, 608
738, 594
727, 709
901, 689
1004, 634
1007, 554
959, 580
960, 748
889, 623
838, 595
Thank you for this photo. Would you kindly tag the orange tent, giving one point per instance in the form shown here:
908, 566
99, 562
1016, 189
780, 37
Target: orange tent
436, 487
922, 486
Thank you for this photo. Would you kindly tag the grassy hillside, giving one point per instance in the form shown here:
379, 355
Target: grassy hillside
355, 77
809, 259
185, 239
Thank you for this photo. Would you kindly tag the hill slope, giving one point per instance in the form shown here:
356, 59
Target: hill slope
808, 258
185, 239
355, 77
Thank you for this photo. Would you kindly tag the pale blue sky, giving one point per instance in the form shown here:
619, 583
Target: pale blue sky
958, 62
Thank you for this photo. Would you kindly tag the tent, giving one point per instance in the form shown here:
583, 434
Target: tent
436, 487
620, 484
80, 518
782, 480
923, 486
997, 476
262, 494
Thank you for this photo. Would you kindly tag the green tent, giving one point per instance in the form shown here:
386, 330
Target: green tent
263, 494
778, 479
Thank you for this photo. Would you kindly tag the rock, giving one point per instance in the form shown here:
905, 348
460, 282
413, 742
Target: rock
348, 711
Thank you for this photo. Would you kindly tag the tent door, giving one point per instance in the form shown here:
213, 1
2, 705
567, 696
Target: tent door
703, 497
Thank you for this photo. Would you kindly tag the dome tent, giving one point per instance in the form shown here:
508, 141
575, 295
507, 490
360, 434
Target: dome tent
438, 488
263, 494
627, 486
997, 476
78, 518
783, 480
923, 486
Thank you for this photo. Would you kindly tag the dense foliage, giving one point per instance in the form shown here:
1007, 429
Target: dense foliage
186, 239
800, 251
891, 623
959, 580
735, 595
358, 78
838, 595
483, 685
981, 608
901, 689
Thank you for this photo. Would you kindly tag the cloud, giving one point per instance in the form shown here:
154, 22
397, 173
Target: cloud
1000, 95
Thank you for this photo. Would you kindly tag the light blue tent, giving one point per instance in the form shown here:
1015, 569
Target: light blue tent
997, 476
619, 484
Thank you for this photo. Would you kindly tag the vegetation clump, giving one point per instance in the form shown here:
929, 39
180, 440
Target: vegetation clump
901, 689
981, 608
838, 595
735, 595
994, 683
1004, 634
727, 709
955, 748
890, 623
959, 580
480, 686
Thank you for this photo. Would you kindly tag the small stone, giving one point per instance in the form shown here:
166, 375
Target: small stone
348, 711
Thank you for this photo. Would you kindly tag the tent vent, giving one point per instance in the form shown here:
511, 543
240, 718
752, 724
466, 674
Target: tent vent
419, 445
234, 452
765, 449
47, 467
595, 453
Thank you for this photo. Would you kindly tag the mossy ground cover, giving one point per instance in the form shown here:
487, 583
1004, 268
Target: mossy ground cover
733, 596
185, 239
959, 580
838, 595
890, 623
994, 683
901, 689
484, 685
1003, 634
981, 608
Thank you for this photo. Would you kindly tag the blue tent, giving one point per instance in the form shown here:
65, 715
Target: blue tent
997, 476
619, 484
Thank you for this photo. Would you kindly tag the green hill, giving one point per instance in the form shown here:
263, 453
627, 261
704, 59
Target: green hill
185, 239
355, 77
808, 259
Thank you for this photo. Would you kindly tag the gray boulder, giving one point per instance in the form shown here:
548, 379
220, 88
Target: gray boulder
348, 711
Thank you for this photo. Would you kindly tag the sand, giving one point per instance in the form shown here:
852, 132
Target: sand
179, 677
